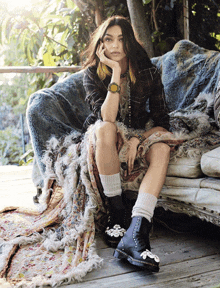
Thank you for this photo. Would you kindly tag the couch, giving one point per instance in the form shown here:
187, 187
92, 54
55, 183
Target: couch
192, 184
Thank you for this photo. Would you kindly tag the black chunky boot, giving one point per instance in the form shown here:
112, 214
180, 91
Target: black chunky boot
116, 226
135, 245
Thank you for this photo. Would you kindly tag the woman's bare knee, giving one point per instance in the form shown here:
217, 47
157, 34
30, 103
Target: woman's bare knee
106, 132
159, 128
159, 151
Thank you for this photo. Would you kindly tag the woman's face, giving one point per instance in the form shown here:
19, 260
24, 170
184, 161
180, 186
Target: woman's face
113, 43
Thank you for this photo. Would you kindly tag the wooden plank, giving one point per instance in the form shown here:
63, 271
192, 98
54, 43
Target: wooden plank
39, 69
205, 280
16, 186
169, 253
10, 173
167, 275
187, 260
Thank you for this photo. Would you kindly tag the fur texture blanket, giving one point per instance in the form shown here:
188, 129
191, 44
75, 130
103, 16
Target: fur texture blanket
186, 71
56, 244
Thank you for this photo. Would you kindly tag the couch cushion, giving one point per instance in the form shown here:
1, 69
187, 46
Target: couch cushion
185, 167
183, 182
207, 183
208, 198
203, 193
210, 163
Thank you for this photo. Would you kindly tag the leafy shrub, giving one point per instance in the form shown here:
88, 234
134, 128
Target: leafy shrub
10, 147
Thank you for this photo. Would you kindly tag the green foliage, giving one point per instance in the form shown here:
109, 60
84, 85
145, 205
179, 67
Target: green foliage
14, 91
11, 152
145, 2
27, 158
52, 33
205, 23
10, 147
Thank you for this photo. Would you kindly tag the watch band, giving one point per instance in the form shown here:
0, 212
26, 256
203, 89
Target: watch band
114, 87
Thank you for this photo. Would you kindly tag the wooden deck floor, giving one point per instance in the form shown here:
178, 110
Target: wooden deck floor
188, 260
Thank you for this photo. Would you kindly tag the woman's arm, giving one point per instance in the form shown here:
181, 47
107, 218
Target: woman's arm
109, 109
104, 104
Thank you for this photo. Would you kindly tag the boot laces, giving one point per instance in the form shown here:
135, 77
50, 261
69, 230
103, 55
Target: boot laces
141, 241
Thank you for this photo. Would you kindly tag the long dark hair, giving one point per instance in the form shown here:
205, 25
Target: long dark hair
134, 51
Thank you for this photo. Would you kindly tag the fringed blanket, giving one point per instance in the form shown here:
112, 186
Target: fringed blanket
56, 245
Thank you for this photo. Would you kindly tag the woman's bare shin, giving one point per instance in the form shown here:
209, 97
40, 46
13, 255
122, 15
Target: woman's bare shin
153, 181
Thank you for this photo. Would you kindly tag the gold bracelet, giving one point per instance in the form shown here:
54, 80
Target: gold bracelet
140, 137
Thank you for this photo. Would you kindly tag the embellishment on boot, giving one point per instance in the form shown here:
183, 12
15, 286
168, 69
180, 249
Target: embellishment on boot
147, 253
116, 231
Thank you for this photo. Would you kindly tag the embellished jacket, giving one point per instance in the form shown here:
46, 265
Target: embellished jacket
147, 98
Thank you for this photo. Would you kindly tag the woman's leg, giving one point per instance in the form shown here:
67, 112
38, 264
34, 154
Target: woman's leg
107, 161
106, 153
158, 157
152, 183
135, 245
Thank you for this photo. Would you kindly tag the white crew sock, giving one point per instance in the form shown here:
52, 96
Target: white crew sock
144, 206
111, 184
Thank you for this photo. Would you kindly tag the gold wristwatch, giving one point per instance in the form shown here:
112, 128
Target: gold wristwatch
114, 87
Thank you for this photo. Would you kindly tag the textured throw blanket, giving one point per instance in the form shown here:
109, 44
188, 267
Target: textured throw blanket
186, 71
56, 244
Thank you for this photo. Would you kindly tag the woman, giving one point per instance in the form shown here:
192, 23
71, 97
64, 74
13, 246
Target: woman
119, 80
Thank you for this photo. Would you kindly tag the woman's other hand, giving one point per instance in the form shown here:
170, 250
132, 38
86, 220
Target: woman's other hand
131, 154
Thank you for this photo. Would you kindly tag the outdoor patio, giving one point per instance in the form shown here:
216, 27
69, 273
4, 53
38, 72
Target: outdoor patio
188, 259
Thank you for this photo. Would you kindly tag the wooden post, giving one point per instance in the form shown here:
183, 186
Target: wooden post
22, 134
186, 18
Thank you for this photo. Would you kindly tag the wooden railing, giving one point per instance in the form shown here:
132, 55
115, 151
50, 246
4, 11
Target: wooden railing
39, 69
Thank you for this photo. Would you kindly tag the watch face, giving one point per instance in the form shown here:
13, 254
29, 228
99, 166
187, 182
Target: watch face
114, 88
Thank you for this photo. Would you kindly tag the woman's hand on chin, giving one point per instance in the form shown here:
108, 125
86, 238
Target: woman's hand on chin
105, 60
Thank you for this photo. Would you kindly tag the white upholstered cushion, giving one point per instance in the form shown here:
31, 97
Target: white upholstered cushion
185, 167
210, 163
201, 192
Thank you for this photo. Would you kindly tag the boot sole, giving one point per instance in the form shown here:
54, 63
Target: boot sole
122, 255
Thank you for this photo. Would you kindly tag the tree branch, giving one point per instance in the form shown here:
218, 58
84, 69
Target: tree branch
140, 24
99, 12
